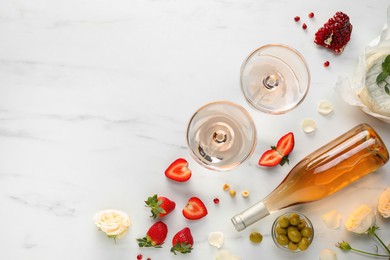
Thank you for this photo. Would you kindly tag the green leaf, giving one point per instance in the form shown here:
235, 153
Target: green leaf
387, 59
382, 76
386, 64
387, 89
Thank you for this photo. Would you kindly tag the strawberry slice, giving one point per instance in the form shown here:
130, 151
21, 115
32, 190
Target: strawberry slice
194, 209
286, 144
270, 158
178, 171
182, 241
160, 206
155, 236
279, 154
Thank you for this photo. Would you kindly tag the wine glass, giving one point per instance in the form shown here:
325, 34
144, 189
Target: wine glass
221, 135
275, 78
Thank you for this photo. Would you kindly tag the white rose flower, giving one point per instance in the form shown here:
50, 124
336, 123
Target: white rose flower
113, 222
361, 219
384, 203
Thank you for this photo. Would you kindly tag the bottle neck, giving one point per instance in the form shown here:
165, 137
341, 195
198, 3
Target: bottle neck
250, 216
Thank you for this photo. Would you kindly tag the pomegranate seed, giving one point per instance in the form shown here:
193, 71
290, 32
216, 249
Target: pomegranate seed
326, 64
149, 258
216, 201
311, 15
304, 26
139, 257
297, 18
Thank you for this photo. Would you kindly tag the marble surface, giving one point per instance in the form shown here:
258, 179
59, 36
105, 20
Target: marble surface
95, 97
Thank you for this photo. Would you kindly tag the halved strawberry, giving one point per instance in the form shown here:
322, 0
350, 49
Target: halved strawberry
178, 171
155, 236
286, 144
194, 209
160, 206
270, 158
182, 241
279, 154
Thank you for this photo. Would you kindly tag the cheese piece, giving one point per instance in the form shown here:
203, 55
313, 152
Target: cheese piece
372, 95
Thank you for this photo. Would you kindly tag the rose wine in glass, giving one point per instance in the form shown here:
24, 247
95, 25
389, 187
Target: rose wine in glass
275, 78
344, 160
221, 135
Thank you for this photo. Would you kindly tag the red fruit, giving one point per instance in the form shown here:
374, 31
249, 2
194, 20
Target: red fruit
182, 241
270, 158
335, 34
216, 201
297, 18
304, 26
279, 154
160, 206
311, 15
286, 144
194, 209
155, 236
326, 64
139, 257
178, 171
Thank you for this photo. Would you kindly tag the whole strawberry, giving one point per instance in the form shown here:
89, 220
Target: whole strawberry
160, 206
155, 236
335, 34
182, 241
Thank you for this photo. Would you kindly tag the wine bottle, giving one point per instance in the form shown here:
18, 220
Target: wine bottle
342, 161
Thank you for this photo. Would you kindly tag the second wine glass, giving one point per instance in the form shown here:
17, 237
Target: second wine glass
221, 135
275, 78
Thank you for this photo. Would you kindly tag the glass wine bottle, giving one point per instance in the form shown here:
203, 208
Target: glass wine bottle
342, 161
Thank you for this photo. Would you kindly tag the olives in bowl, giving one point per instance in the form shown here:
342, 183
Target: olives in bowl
293, 232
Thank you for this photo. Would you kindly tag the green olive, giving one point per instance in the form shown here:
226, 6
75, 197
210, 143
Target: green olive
294, 219
292, 246
280, 231
294, 235
292, 228
282, 240
255, 237
284, 222
304, 243
302, 224
307, 232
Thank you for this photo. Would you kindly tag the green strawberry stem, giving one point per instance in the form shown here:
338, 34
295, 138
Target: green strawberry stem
147, 242
183, 248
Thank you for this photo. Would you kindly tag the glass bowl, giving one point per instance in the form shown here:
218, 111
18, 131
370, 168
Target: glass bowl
292, 232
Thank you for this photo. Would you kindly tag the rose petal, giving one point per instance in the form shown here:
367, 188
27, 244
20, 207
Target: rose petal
332, 219
325, 107
309, 125
216, 239
327, 254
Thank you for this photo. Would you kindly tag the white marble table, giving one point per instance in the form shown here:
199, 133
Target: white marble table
94, 101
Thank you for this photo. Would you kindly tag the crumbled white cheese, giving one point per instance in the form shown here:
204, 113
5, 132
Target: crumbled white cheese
332, 219
216, 239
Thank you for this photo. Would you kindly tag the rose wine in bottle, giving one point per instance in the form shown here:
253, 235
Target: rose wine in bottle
349, 157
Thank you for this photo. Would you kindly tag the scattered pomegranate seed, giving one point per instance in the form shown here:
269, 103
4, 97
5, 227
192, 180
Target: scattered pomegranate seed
297, 18
304, 26
139, 257
216, 201
326, 64
311, 15
149, 258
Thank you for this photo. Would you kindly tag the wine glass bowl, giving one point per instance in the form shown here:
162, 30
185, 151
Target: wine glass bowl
275, 78
221, 135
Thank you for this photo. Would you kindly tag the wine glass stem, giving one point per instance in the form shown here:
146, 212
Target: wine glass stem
271, 81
